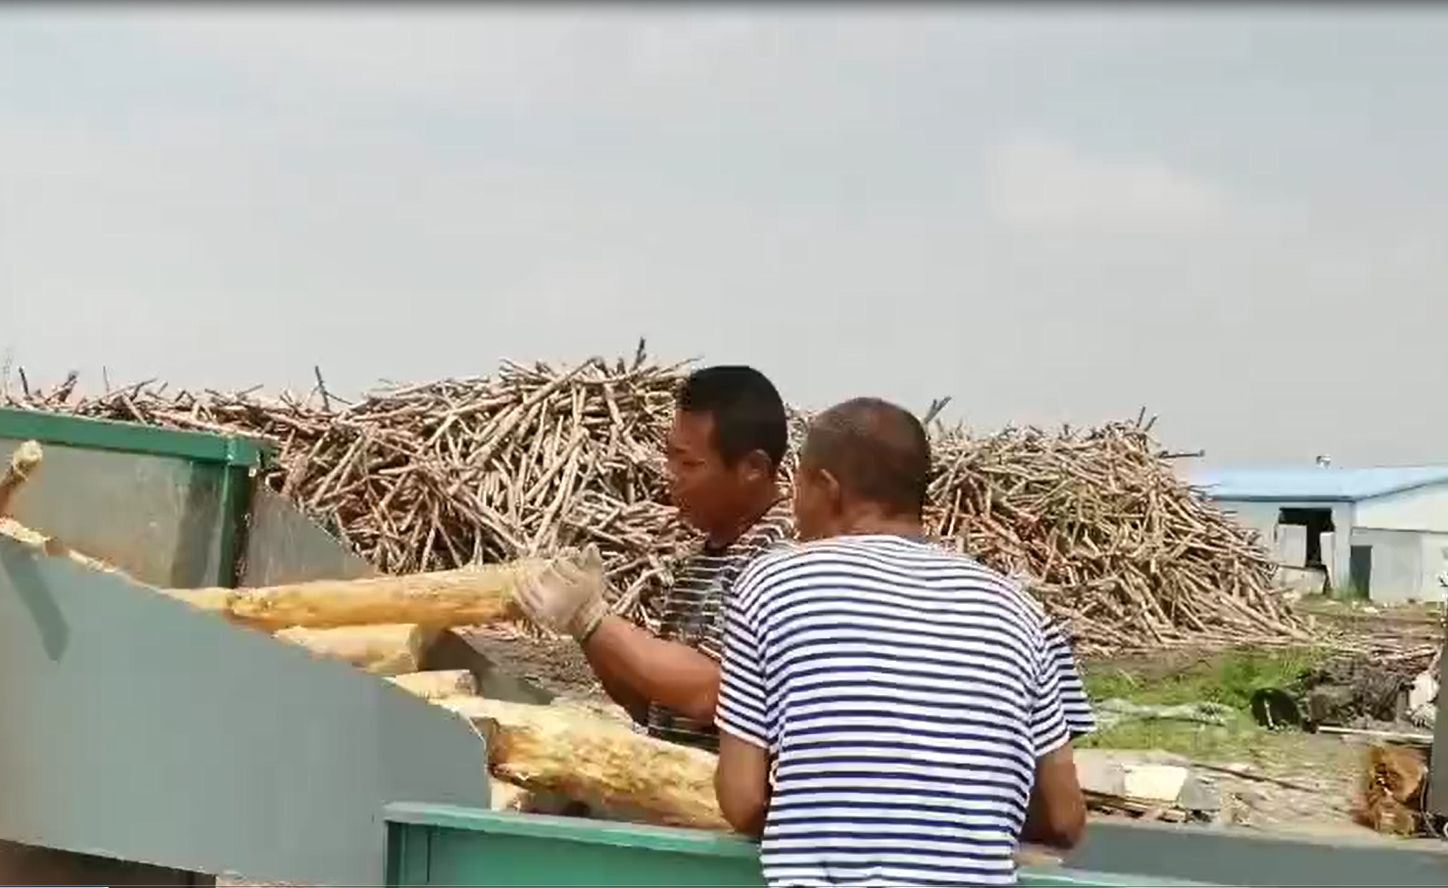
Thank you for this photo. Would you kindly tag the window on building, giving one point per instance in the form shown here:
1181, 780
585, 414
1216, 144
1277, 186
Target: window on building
1316, 522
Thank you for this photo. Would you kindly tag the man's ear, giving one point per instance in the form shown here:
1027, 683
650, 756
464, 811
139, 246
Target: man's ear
757, 466
830, 487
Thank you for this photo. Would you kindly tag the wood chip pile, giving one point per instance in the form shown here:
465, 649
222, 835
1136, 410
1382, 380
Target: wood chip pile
439, 475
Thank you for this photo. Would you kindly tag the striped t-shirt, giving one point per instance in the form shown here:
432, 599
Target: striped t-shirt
692, 614
1080, 720
905, 694
693, 611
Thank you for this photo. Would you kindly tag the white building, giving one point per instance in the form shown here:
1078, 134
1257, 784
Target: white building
1381, 531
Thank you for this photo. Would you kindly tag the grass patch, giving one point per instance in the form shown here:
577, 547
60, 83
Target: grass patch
1228, 678
1202, 742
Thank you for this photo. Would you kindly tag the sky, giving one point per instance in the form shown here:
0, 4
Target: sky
1235, 216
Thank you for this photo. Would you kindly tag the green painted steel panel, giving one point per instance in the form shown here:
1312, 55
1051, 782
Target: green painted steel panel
141, 729
1249, 857
160, 519
436, 845
168, 507
128, 437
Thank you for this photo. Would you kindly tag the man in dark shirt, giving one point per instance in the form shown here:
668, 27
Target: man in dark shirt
729, 435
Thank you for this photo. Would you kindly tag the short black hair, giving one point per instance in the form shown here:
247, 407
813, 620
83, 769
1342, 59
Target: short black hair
747, 410
877, 451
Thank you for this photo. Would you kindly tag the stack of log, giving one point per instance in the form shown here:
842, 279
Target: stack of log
457, 472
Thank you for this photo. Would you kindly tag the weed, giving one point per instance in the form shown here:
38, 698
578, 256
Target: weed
1228, 678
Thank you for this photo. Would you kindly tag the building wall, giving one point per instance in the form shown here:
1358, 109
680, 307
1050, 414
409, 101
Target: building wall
1397, 572
1435, 562
1425, 508
1262, 517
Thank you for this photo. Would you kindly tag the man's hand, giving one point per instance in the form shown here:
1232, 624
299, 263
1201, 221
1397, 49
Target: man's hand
567, 595
1056, 816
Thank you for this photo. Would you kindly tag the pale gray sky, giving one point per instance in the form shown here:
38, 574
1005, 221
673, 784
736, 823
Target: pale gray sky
1235, 215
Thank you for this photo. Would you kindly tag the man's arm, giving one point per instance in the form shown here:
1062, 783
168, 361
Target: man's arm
634, 667
1056, 812
1056, 816
745, 719
637, 668
741, 783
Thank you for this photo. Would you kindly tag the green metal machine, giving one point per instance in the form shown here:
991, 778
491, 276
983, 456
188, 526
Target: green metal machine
148, 743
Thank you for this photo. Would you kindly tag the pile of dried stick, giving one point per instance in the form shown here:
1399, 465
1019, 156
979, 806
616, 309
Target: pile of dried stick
434, 476
1114, 541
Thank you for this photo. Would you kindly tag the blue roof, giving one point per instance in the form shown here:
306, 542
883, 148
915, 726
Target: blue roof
1316, 484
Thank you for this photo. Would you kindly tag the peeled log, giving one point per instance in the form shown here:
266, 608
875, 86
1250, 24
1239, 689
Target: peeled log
438, 684
470, 596
505, 796
380, 650
23, 462
599, 761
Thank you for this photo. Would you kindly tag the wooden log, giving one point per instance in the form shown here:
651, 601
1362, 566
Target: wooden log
469, 596
23, 463
439, 684
505, 796
596, 760
380, 650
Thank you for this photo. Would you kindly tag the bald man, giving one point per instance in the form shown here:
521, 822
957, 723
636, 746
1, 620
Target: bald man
889, 711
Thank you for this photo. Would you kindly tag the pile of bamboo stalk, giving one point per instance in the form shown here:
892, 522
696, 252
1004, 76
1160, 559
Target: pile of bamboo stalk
461, 471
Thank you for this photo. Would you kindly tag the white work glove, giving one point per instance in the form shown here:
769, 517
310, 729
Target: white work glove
566, 595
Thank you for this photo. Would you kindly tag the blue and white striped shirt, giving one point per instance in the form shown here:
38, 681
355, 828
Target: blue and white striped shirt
905, 694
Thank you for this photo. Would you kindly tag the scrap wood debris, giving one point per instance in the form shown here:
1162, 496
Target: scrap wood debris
444, 474
1369, 687
1390, 791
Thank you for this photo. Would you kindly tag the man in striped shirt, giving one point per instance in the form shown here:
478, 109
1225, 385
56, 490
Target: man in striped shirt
890, 712
727, 440
725, 445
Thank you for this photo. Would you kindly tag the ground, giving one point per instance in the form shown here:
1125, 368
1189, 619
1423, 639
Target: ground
1307, 782
1299, 781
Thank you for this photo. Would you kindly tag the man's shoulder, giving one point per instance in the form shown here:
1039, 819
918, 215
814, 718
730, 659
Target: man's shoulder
887, 556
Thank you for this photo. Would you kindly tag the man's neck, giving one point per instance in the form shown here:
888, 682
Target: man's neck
871, 523
759, 503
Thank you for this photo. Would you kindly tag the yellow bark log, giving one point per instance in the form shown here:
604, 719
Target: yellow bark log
505, 796
596, 760
469, 596
438, 684
23, 463
380, 650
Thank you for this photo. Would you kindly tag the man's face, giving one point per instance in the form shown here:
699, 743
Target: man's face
700, 484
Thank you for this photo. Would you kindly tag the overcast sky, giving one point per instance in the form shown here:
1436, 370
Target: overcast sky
1234, 215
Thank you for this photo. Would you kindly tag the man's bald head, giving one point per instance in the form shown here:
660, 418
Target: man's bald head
877, 453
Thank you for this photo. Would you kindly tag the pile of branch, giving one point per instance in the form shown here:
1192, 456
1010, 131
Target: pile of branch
1114, 542
461, 471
